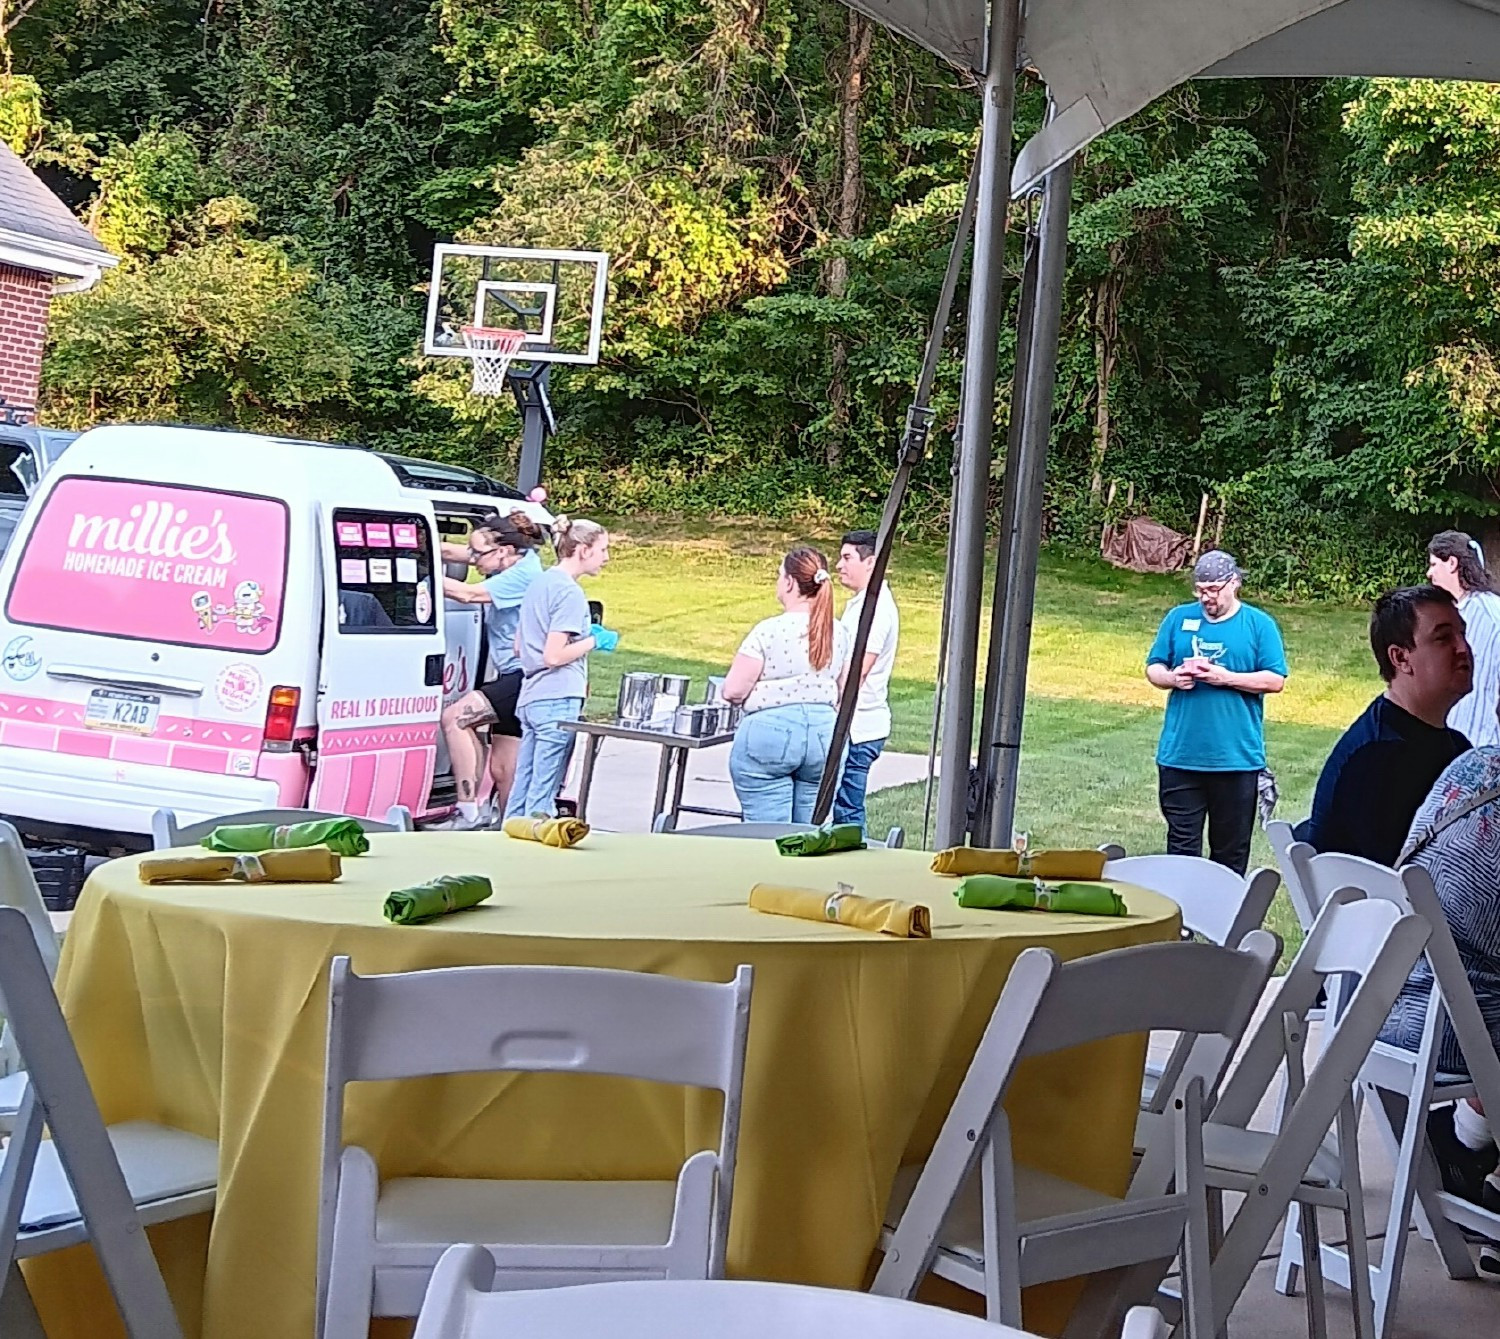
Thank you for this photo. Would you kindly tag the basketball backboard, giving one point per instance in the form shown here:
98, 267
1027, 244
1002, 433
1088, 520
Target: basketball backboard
555, 297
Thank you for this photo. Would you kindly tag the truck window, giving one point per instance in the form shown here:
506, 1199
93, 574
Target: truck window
384, 573
155, 562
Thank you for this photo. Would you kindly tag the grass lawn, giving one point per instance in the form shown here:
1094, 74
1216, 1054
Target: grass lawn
682, 597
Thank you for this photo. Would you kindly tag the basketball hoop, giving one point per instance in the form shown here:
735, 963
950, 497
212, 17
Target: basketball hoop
494, 349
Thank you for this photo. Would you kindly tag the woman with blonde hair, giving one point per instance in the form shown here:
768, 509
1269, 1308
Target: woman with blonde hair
788, 674
553, 640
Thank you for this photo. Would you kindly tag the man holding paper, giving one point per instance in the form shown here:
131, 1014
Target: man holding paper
1216, 659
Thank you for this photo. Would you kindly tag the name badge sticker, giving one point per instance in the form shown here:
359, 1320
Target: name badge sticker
1191, 624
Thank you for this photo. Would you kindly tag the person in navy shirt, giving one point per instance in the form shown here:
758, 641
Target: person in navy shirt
1216, 658
1382, 768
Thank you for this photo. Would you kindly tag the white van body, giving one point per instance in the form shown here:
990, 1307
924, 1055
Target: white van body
211, 622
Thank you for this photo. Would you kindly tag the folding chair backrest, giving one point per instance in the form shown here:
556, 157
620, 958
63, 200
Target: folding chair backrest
166, 832
18, 889
1199, 989
462, 1304
59, 1096
1217, 904
1411, 888
1346, 941
578, 1020
1279, 835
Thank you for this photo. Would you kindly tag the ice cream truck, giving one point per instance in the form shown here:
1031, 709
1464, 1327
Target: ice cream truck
211, 622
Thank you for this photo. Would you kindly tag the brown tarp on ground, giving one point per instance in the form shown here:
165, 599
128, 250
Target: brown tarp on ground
1144, 545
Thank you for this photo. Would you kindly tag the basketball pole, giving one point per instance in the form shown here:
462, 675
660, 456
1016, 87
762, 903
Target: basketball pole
534, 432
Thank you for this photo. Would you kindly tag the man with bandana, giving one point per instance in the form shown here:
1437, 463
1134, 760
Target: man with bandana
1216, 658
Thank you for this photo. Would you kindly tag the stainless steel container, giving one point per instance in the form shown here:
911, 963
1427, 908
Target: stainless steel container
674, 686
693, 722
637, 697
715, 691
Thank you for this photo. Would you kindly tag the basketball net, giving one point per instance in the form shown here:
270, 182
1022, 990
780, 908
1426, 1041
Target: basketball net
494, 350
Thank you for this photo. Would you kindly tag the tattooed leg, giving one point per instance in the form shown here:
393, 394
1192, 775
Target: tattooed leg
460, 723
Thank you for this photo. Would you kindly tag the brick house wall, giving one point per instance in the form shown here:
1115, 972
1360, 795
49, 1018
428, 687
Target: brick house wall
25, 297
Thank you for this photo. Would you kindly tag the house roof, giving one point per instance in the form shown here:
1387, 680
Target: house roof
34, 223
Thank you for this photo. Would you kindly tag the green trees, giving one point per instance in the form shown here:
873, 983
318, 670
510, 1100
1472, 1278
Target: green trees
1279, 293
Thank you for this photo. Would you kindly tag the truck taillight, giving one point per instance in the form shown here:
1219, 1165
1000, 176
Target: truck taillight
281, 718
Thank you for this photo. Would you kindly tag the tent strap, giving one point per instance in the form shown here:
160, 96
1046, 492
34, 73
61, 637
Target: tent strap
913, 447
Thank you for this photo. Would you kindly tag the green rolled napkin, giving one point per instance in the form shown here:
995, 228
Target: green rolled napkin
450, 892
993, 892
342, 836
835, 837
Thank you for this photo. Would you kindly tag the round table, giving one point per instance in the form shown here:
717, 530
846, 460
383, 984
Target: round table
204, 1007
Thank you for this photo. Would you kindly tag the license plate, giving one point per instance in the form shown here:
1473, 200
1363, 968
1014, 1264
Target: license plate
110, 709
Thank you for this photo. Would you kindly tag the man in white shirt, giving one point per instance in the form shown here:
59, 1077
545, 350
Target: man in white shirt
872, 713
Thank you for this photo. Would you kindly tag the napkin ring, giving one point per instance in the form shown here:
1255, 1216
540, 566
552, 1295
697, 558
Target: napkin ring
1043, 894
831, 906
249, 868
282, 837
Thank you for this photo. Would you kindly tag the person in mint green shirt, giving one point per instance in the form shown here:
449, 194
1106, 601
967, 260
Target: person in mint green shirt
1216, 658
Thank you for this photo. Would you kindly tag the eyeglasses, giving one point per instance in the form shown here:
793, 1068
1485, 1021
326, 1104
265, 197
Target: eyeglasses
1212, 588
476, 554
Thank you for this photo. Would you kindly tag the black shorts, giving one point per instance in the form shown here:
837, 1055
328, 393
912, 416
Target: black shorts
501, 694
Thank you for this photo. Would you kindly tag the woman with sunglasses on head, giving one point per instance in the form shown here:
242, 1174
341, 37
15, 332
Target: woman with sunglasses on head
788, 674
503, 550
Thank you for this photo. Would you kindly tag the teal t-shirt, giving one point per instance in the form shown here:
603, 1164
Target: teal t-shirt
1211, 729
506, 590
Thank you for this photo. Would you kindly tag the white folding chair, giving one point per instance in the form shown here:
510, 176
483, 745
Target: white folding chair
1217, 905
895, 837
1404, 1085
1320, 1115
86, 1183
461, 1304
1280, 835
1144, 1322
379, 1242
1018, 1226
166, 832
1377, 946
18, 889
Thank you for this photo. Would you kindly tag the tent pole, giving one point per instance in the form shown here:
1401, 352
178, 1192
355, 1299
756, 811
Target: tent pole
1010, 491
971, 502
1036, 432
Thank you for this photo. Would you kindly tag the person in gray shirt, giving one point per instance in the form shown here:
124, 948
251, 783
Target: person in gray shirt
553, 639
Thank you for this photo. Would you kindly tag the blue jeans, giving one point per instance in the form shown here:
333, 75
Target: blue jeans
849, 803
543, 758
776, 762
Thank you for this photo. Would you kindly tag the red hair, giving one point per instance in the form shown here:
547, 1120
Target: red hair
808, 570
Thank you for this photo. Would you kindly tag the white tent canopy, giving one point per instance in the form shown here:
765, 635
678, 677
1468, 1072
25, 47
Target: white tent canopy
1103, 60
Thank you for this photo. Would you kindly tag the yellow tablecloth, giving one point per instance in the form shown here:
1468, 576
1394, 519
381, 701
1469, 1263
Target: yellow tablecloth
205, 1008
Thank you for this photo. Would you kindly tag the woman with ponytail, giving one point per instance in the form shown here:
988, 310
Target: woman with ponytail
788, 674
554, 636
1455, 563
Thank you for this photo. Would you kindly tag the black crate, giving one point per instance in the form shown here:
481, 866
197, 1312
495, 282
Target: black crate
59, 874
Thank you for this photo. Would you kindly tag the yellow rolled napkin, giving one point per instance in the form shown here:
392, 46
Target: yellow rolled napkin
309, 864
559, 832
961, 860
885, 915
